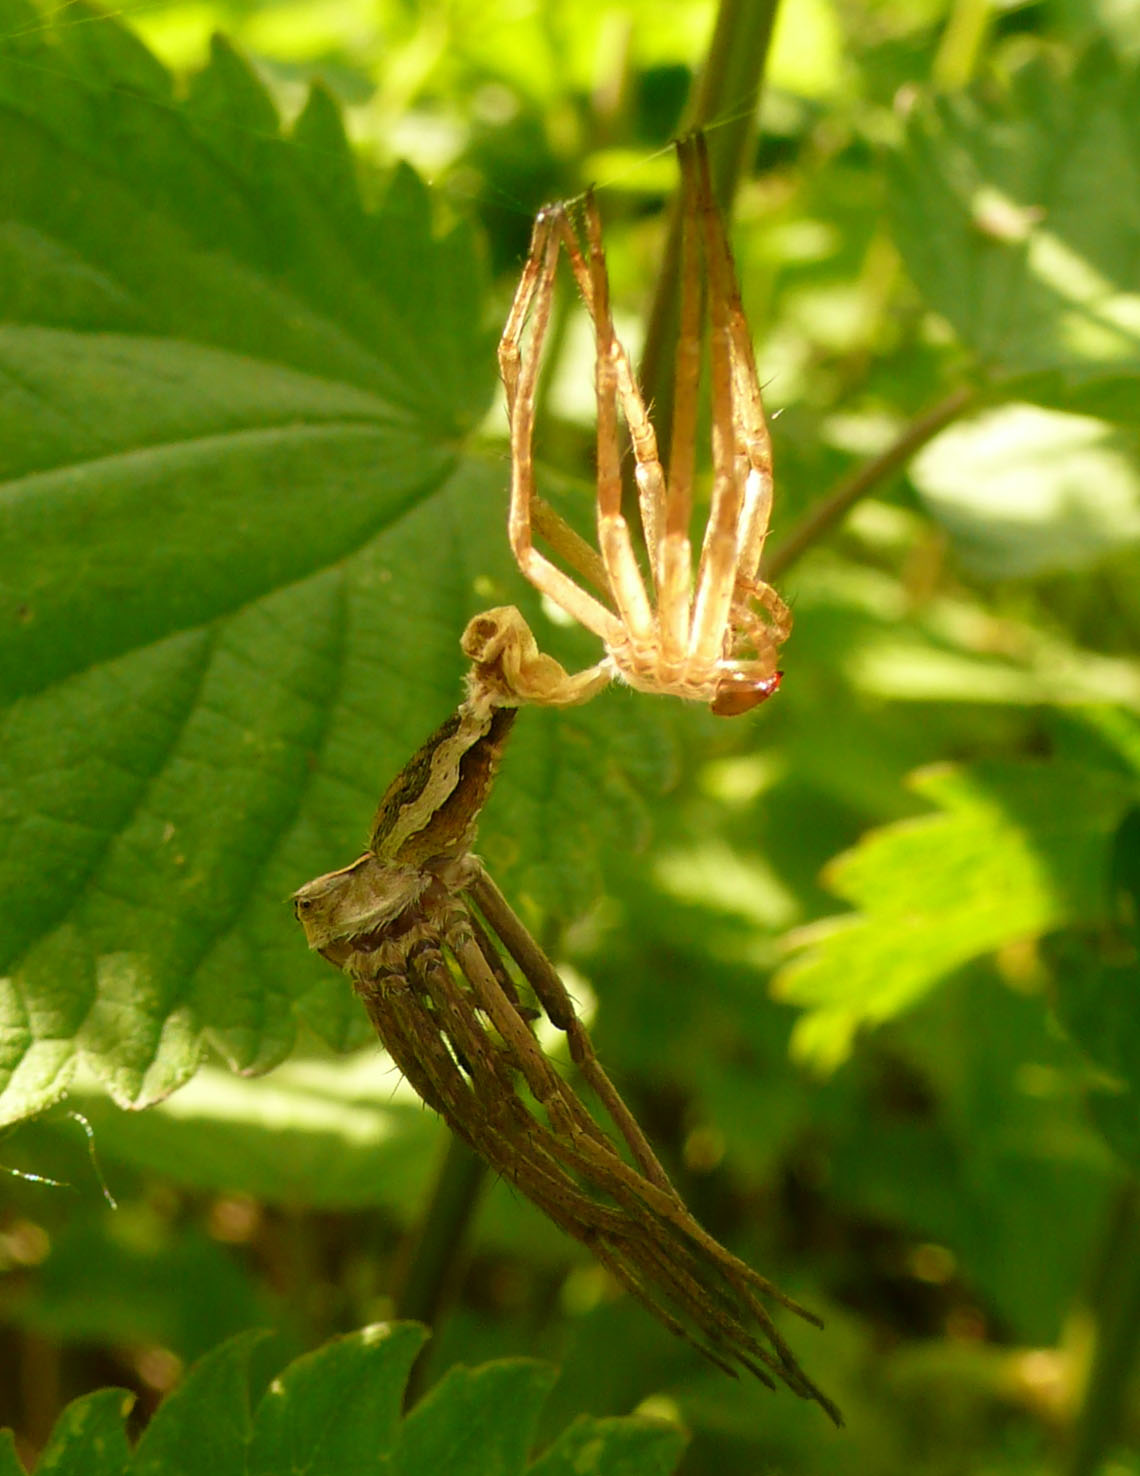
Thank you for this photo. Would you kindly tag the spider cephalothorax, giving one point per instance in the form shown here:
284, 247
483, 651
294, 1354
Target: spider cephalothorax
712, 634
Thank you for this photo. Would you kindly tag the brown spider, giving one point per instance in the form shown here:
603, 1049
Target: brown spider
714, 637
438, 957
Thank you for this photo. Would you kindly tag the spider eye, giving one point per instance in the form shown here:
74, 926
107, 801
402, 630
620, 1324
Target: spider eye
738, 694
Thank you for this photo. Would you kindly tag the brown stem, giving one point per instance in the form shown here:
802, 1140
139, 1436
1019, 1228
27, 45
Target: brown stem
826, 513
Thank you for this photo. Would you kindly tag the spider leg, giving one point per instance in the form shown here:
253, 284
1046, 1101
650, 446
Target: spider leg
543, 978
627, 1268
429, 1025
567, 1115
690, 1245
480, 1107
577, 1139
716, 574
614, 541
676, 575
413, 1045
533, 300
543, 1170
648, 471
763, 635
752, 425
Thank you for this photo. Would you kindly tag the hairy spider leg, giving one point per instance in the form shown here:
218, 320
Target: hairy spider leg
624, 1245
614, 541
676, 550
756, 444
716, 572
639, 1287
534, 299
429, 1026
567, 1115
649, 474
420, 1049
755, 441
589, 1150
578, 1140
670, 556
543, 978
710, 1307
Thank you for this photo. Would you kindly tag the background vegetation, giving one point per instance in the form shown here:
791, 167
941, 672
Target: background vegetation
866, 962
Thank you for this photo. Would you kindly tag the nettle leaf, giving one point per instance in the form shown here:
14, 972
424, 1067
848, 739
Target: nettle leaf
1015, 215
1096, 991
240, 534
1018, 850
205, 1426
1026, 491
475, 1421
612, 1447
89, 1438
337, 1411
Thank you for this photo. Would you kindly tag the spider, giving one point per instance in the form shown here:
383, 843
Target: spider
714, 636
436, 953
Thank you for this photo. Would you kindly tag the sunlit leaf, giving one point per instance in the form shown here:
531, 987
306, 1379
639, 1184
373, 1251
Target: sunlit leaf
1025, 491
338, 1134
807, 48
1015, 217
241, 536
1017, 851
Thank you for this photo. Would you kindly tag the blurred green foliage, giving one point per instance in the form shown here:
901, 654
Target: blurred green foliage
866, 962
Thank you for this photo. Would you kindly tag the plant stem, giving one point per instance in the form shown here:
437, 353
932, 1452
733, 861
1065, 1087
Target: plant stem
726, 94
962, 39
434, 1259
821, 518
1098, 1421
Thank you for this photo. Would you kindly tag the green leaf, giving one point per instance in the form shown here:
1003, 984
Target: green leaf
89, 1439
139, 1297
338, 1409
1014, 215
475, 1422
1025, 491
241, 533
612, 1447
10, 1462
203, 1428
1096, 998
1097, 1003
1017, 851
991, 1146
336, 1134
337, 1412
